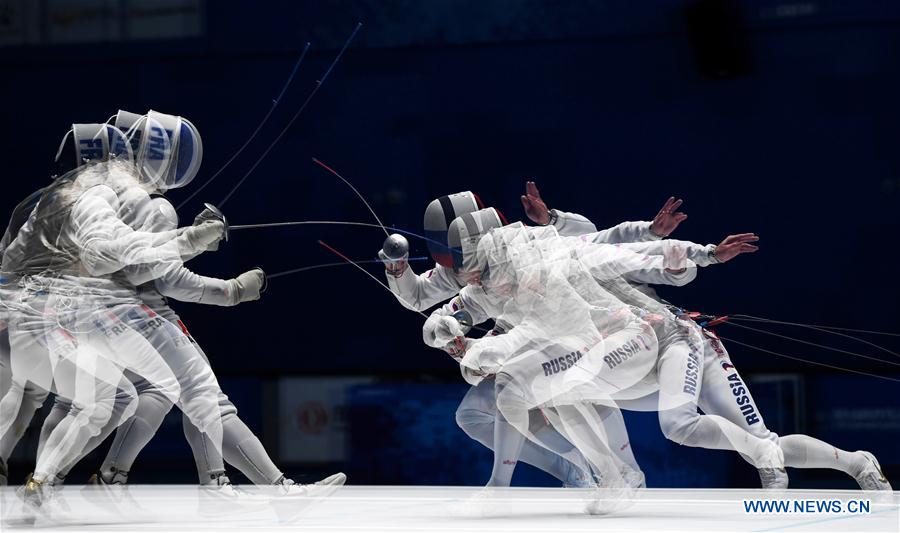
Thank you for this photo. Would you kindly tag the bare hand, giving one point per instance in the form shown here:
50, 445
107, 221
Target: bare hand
535, 208
734, 245
665, 222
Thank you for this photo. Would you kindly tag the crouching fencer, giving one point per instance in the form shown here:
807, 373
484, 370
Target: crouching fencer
577, 319
679, 357
477, 414
712, 382
552, 288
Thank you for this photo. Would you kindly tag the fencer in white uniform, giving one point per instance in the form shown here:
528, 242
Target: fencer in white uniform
142, 212
710, 381
32, 396
63, 259
477, 414
88, 143
240, 447
551, 305
435, 323
730, 420
721, 391
32, 358
725, 393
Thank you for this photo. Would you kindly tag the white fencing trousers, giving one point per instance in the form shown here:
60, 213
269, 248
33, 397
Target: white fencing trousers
477, 416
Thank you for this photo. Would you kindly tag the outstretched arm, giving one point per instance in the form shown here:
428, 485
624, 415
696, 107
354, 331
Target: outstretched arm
184, 285
680, 258
108, 245
566, 224
571, 224
662, 225
157, 215
702, 255
419, 292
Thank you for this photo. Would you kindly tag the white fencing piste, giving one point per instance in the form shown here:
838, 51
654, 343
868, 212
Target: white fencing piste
435, 509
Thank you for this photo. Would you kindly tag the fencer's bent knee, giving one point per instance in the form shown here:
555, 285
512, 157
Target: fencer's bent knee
468, 419
762, 432
33, 397
61, 403
227, 409
678, 424
149, 391
94, 415
157, 396
513, 407
126, 403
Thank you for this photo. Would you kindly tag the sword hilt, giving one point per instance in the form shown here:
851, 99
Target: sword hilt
220, 215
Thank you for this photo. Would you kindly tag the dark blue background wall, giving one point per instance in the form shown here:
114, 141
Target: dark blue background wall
602, 103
